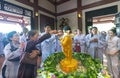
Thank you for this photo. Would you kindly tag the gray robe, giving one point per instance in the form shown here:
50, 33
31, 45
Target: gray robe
47, 47
112, 60
1, 44
92, 47
1, 47
102, 44
87, 38
80, 38
11, 66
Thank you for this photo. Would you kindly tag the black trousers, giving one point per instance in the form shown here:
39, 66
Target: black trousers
3, 71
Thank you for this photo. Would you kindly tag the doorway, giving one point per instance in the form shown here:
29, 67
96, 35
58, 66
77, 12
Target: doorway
89, 15
13, 22
104, 23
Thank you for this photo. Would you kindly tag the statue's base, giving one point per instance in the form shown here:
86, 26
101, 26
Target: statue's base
68, 65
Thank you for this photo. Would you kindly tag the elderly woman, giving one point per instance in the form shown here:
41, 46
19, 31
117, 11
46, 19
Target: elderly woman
12, 53
28, 70
112, 51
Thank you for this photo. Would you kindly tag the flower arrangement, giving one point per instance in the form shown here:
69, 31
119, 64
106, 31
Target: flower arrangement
88, 67
103, 73
46, 74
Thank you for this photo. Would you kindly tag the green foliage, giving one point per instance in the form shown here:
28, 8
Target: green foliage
92, 65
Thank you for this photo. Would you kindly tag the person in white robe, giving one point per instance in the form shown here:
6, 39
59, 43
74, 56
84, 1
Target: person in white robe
58, 47
1, 45
112, 51
47, 47
12, 53
24, 36
92, 43
102, 44
87, 38
80, 38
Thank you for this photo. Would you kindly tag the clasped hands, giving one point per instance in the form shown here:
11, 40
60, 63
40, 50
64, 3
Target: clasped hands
112, 52
94, 40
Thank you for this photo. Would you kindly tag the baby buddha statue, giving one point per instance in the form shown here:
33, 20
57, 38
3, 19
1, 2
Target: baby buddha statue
68, 64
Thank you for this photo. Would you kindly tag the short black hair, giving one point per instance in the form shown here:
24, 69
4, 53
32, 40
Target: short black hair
46, 25
113, 30
66, 28
90, 28
10, 35
25, 30
94, 28
31, 33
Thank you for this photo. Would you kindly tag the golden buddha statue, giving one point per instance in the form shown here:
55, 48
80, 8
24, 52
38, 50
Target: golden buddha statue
68, 64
